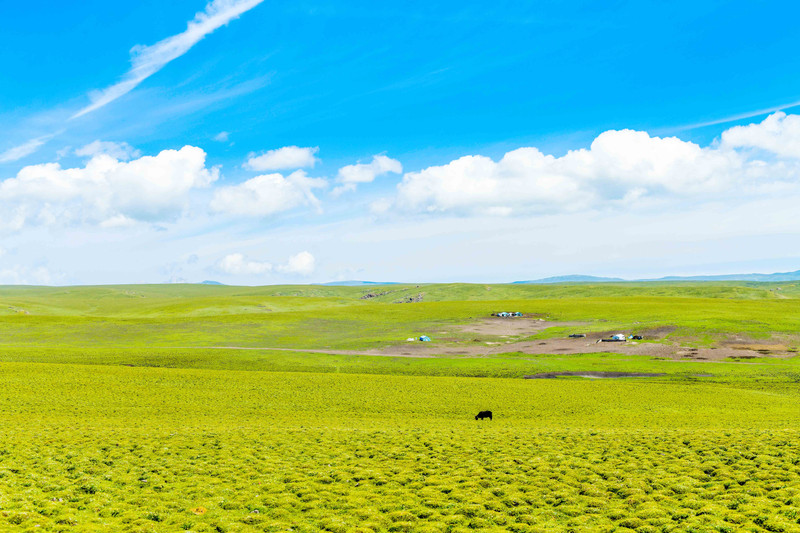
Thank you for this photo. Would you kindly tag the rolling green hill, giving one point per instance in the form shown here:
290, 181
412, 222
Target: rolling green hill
306, 317
135, 409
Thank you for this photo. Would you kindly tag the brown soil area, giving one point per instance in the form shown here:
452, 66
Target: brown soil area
593, 374
495, 332
495, 336
760, 347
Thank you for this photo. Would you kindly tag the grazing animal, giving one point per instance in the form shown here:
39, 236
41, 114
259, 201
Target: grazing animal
483, 414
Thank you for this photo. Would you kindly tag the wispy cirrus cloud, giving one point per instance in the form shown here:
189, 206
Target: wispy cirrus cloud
739, 116
147, 60
121, 151
25, 149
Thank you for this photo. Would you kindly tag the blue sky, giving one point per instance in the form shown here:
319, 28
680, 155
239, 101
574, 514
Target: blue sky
643, 140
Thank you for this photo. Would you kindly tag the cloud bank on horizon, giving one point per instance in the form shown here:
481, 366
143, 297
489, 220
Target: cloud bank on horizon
301, 264
367, 162
618, 168
621, 171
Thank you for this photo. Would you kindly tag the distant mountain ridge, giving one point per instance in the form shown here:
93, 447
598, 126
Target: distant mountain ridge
357, 283
775, 277
573, 278
581, 278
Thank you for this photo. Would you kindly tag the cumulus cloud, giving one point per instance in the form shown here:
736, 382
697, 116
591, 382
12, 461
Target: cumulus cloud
121, 151
106, 190
302, 264
238, 264
147, 60
268, 194
222, 136
288, 157
351, 175
618, 167
779, 133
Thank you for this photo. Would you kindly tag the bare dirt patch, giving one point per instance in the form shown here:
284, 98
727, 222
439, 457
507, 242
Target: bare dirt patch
595, 375
760, 347
499, 336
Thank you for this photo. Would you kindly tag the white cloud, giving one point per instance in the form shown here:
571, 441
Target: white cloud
117, 221
268, 194
302, 264
20, 275
222, 136
779, 133
741, 116
380, 206
147, 60
106, 190
237, 264
288, 157
121, 151
351, 175
476, 183
25, 149
620, 166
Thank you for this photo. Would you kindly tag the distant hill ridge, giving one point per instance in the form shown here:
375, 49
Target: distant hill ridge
356, 283
574, 278
775, 277
580, 278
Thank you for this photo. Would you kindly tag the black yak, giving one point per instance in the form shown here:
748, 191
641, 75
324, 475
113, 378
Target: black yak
483, 414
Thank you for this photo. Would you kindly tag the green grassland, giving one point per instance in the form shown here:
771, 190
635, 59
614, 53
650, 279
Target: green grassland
121, 409
318, 317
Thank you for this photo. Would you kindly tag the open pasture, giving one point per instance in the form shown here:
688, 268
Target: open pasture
338, 318
120, 416
143, 449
